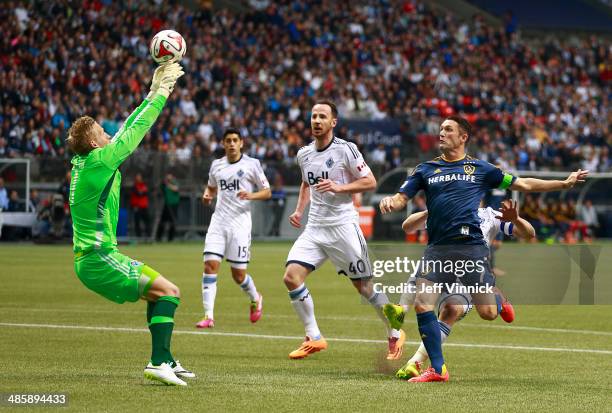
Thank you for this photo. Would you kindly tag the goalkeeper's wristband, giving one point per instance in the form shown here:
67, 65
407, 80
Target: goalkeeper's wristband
162, 91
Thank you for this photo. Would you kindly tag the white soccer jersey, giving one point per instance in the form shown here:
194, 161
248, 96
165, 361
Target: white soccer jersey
491, 226
340, 162
246, 174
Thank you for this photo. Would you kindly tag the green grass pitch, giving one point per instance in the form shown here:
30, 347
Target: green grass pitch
57, 336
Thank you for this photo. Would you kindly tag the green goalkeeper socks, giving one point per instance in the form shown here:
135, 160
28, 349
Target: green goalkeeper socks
160, 316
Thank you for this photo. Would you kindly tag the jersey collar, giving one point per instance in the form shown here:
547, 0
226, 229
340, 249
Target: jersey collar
239, 159
327, 146
454, 160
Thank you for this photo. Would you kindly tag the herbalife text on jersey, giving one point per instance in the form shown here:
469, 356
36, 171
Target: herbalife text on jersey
412, 267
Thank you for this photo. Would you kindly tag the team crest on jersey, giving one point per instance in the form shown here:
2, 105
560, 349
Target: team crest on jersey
469, 169
240, 173
329, 162
437, 171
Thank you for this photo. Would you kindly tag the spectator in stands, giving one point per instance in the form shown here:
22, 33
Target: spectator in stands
64, 188
588, 215
278, 205
139, 201
172, 197
4, 199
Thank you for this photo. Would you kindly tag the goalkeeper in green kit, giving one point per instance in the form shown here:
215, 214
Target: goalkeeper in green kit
94, 205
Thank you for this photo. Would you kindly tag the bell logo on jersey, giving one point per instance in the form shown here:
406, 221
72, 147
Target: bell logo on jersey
313, 179
233, 185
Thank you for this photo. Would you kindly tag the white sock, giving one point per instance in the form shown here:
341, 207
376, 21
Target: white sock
209, 292
378, 300
304, 307
421, 353
248, 286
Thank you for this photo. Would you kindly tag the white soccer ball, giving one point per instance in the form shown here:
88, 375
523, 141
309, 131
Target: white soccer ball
167, 46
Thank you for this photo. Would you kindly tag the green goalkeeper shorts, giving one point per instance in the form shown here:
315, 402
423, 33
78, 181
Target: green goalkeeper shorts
114, 276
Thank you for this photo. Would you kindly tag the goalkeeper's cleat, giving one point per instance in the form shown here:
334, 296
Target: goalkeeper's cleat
181, 371
430, 375
396, 346
395, 314
410, 370
507, 312
206, 323
308, 347
256, 309
164, 374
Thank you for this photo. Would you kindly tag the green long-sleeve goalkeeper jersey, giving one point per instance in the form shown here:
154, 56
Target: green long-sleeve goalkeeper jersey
96, 181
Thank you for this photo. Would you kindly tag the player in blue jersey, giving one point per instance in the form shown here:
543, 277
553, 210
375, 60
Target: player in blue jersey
454, 184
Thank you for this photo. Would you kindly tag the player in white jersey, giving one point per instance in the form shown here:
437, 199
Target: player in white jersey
332, 171
453, 307
236, 180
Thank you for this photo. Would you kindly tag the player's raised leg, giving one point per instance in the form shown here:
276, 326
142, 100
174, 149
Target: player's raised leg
301, 299
395, 337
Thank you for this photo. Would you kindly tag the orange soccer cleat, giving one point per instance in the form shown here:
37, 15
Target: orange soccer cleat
430, 375
308, 347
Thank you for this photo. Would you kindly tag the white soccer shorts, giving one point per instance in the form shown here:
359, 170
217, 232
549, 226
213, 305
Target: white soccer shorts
344, 245
230, 242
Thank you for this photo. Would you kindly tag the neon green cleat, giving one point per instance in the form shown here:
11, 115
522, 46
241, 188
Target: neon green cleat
395, 314
410, 370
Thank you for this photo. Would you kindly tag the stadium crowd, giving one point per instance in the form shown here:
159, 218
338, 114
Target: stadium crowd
536, 104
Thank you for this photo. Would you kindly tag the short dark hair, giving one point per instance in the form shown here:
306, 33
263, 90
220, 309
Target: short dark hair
463, 123
332, 105
79, 135
232, 131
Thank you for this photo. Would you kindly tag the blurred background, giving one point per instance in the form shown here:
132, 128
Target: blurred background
533, 77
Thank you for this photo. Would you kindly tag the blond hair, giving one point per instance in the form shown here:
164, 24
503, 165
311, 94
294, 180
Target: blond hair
79, 135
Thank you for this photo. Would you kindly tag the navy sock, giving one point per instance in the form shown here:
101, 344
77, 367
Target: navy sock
499, 301
430, 334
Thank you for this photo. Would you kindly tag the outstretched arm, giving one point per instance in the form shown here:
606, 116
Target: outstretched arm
393, 203
541, 185
510, 213
140, 121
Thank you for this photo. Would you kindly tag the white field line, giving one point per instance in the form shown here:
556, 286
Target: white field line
366, 319
277, 337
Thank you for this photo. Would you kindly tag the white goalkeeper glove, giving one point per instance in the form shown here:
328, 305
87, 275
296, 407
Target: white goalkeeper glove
170, 75
157, 75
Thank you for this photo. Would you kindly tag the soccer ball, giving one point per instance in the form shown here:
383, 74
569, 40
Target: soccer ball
167, 46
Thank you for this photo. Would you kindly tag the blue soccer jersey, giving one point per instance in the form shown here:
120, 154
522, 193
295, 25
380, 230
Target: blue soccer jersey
454, 190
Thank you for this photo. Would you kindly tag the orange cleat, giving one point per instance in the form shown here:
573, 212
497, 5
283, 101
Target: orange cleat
507, 312
396, 346
430, 375
308, 347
